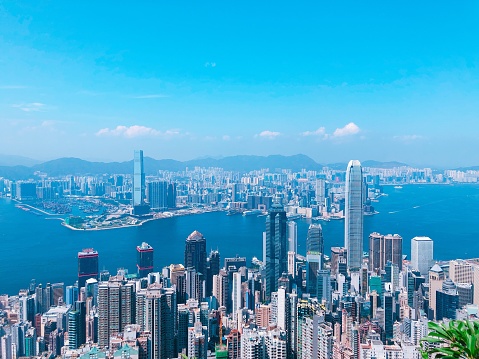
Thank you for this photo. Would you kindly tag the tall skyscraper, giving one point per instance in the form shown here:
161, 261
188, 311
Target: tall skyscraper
353, 224
383, 249
159, 318
293, 237
158, 195
422, 254
195, 252
314, 241
87, 266
138, 179
144, 262
276, 247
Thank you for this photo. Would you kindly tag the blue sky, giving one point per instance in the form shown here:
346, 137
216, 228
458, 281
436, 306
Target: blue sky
333, 80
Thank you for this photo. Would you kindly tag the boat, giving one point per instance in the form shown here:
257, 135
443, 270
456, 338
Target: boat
252, 212
293, 216
398, 187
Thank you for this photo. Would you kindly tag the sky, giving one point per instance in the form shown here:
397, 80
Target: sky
335, 80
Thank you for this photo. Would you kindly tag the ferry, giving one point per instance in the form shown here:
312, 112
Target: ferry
293, 216
252, 212
398, 187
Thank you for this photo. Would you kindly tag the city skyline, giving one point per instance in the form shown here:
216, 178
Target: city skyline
312, 79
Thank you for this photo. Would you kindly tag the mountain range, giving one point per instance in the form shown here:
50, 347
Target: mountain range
241, 163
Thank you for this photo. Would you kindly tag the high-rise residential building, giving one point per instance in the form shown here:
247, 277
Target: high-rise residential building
292, 237
116, 307
157, 195
422, 254
212, 269
138, 179
252, 344
314, 240
353, 224
320, 191
195, 252
144, 261
276, 247
197, 342
447, 301
172, 195
87, 266
160, 319
233, 343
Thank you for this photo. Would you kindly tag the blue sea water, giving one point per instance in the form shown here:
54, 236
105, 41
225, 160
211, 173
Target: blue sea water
35, 247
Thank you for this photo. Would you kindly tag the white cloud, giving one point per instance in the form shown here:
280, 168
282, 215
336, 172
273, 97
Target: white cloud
226, 138
268, 134
137, 131
210, 64
350, 129
30, 107
319, 132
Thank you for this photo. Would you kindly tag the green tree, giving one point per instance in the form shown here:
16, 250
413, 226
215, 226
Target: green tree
458, 339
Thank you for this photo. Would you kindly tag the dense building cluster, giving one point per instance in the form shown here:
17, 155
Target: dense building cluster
325, 303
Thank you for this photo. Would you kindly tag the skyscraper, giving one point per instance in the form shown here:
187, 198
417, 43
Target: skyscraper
138, 179
116, 307
293, 236
195, 252
314, 241
276, 247
159, 318
353, 224
158, 195
422, 254
144, 262
87, 266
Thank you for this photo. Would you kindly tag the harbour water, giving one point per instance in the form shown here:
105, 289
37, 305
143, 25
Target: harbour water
36, 247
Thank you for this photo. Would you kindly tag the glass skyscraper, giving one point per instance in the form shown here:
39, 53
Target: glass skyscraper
353, 224
138, 179
276, 247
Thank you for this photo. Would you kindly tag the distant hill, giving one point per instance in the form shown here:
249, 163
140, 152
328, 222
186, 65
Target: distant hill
76, 166
12, 160
378, 164
242, 163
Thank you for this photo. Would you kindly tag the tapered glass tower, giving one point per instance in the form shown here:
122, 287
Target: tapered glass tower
353, 224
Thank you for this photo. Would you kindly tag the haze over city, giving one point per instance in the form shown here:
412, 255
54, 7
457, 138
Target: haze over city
333, 81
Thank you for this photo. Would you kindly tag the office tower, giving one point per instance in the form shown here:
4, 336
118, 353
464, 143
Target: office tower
375, 242
158, 195
422, 254
235, 263
71, 294
461, 271
194, 284
338, 260
172, 195
178, 279
313, 265
159, 318
276, 247
144, 259
221, 288
116, 307
388, 315
447, 301
73, 329
324, 287
30, 342
465, 293
195, 252
392, 250
212, 269
183, 322
436, 279
87, 266
292, 236
314, 240
353, 224
138, 179
292, 264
